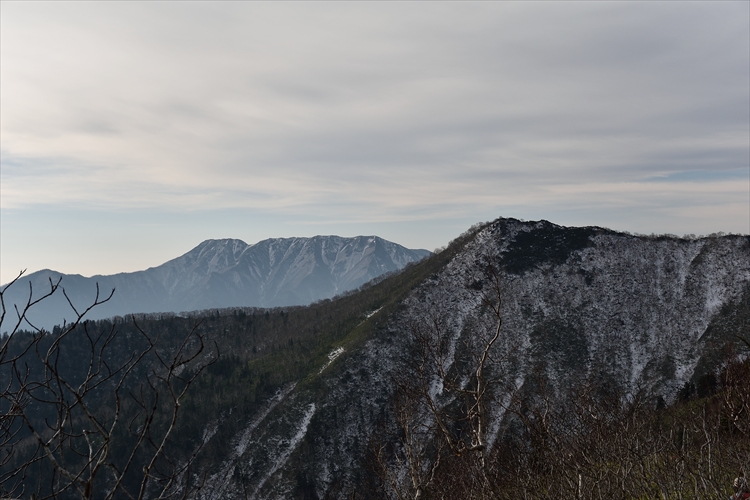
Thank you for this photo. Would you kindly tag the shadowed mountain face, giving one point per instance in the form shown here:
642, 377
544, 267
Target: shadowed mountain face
225, 273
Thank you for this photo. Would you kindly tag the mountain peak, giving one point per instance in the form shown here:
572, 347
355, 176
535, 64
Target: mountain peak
228, 272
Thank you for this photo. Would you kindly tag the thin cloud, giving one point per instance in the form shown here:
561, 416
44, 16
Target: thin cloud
386, 111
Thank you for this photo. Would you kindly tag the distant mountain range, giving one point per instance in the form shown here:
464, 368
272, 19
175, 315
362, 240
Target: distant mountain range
223, 273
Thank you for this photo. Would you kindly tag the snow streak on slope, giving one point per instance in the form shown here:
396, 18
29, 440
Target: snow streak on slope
284, 454
217, 483
332, 357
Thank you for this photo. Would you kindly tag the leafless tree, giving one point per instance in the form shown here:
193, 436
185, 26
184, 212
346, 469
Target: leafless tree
442, 406
581, 440
88, 414
406, 454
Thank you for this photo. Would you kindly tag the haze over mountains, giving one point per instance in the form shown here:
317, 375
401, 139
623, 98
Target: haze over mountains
225, 273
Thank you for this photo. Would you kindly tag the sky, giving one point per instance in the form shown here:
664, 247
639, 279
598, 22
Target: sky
132, 131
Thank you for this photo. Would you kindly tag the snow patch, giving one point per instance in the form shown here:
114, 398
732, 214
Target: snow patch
222, 479
269, 406
331, 357
373, 313
293, 442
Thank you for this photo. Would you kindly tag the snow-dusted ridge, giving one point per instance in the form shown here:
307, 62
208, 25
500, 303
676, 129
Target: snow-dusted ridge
582, 303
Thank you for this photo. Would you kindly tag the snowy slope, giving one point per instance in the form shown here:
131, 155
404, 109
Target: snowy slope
578, 303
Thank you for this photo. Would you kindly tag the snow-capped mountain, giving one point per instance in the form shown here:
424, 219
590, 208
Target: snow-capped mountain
578, 304
224, 273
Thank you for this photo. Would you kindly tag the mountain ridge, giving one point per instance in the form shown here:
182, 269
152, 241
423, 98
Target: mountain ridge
225, 273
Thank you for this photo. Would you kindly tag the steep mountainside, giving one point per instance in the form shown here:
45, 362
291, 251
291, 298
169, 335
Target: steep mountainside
579, 305
226, 273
